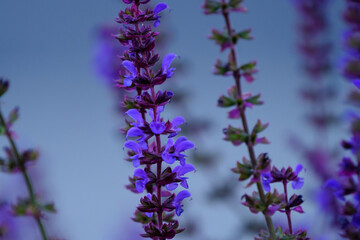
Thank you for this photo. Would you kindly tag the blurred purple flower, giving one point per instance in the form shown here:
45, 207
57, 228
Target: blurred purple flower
178, 199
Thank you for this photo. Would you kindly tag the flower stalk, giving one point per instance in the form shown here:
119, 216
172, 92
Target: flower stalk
237, 76
17, 162
146, 128
257, 168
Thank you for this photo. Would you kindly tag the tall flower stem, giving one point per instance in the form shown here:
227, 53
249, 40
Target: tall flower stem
236, 75
25, 175
287, 209
158, 168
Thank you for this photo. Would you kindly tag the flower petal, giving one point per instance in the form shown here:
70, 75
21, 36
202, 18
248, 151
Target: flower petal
181, 196
133, 146
159, 8
130, 66
157, 127
298, 183
182, 170
135, 114
177, 121
171, 186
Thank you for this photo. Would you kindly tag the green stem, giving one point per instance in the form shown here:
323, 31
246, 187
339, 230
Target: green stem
236, 75
25, 175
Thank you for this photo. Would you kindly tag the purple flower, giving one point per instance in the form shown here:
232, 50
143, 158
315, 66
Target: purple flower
285, 176
157, 9
149, 214
132, 75
353, 144
173, 151
181, 171
137, 148
336, 188
178, 199
266, 180
357, 83
347, 167
298, 182
136, 115
141, 179
175, 123
157, 126
166, 65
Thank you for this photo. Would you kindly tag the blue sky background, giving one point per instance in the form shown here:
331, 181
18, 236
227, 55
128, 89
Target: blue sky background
46, 50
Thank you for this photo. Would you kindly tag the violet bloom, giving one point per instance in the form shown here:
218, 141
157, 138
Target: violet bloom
178, 199
266, 180
132, 73
141, 179
173, 151
137, 149
180, 172
298, 182
285, 176
157, 9
166, 65
157, 126
136, 115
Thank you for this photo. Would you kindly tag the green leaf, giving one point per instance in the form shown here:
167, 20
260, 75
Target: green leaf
259, 127
219, 37
235, 3
50, 207
211, 6
244, 169
226, 101
13, 116
235, 135
248, 67
254, 100
243, 35
222, 68
2, 130
4, 86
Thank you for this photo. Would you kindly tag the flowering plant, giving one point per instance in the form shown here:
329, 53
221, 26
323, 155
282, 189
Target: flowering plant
257, 169
18, 162
146, 129
346, 186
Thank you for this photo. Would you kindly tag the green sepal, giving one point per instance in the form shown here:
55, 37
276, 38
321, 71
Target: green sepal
212, 6
259, 127
221, 68
243, 35
226, 101
220, 38
13, 116
245, 169
254, 100
4, 86
235, 135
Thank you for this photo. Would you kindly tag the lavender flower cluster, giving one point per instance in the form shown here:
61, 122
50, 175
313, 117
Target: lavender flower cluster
346, 186
155, 172
258, 169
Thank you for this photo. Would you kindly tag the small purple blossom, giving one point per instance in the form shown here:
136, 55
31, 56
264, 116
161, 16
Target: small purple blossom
132, 73
137, 149
157, 126
172, 151
166, 65
178, 199
180, 172
157, 9
141, 179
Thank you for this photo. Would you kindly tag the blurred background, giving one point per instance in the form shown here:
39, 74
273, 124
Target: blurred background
49, 50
